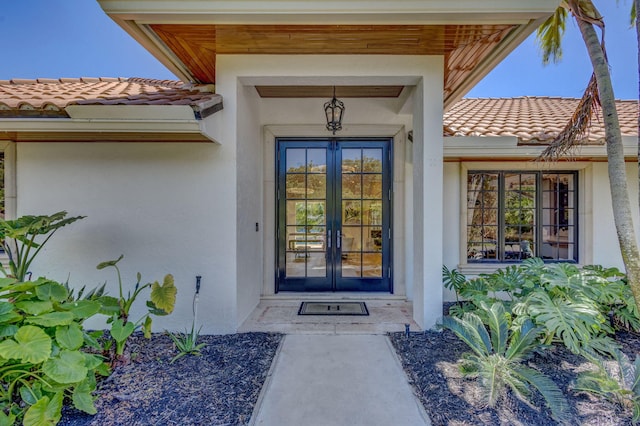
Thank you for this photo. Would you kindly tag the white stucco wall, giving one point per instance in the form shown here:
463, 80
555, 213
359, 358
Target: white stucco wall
605, 240
191, 209
249, 154
169, 208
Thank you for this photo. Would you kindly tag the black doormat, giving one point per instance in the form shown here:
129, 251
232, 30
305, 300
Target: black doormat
333, 308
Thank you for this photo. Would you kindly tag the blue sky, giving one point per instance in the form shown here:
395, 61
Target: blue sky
74, 38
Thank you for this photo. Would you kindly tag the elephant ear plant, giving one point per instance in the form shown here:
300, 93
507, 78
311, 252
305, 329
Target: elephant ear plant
18, 239
162, 301
42, 356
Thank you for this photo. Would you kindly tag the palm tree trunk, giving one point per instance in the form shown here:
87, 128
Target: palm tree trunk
615, 156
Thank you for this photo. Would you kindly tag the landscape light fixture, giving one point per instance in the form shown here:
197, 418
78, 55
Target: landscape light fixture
334, 110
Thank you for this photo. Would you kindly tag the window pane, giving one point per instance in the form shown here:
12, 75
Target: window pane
504, 210
558, 217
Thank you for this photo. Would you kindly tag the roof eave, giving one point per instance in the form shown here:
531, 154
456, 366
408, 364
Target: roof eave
104, 130
501, 148
497, 55
344, 11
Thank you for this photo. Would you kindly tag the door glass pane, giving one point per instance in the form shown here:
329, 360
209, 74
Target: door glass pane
296, 212
372, 212
372, 264
315, 213
316, 186
351, 186
372, 238
316, 265
295, 186
351, 212
372, 186
351, 238
295, 265
351, 160
305, 212
372, 160
351, 265
295, 160
317, 160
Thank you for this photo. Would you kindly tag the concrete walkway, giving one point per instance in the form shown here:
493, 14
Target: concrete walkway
335, 380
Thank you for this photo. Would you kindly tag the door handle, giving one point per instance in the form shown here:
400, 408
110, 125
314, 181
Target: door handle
338, 239
328, 239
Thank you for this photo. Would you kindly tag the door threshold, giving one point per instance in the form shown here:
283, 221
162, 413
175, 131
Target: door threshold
333, 296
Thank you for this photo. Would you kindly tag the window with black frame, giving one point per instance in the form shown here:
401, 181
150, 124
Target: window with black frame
515, 215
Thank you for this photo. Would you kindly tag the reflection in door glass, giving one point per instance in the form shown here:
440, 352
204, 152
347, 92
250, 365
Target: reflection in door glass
362, 214
296, 160
305, 212
351, 160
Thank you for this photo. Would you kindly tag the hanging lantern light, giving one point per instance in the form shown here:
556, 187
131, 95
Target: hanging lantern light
334, 110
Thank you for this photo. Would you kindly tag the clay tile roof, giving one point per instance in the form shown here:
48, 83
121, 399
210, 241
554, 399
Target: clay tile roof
45, 97
531, 119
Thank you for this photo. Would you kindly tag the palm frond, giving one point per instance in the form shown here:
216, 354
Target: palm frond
603, 345
578, 126
470, 330
548, 389
491, 374
523, 341
635, 387
498, 325
549, 36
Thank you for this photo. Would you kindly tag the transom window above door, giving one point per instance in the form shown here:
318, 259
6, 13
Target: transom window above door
516, 215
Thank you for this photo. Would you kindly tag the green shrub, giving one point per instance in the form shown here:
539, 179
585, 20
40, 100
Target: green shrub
161, 302
579, 307
187, 343
41, 352
18, 239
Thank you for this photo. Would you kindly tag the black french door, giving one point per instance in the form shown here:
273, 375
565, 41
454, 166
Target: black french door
333, 215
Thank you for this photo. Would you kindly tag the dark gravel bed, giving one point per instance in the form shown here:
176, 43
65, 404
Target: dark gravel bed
220, 387
430, 361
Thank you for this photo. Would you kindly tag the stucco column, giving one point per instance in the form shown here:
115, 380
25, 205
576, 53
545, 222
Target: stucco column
427, 205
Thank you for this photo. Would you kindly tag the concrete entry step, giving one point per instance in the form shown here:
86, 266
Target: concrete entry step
282, 316
335, 380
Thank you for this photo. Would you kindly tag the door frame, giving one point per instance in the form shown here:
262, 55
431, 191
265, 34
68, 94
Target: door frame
401, 207
334, 281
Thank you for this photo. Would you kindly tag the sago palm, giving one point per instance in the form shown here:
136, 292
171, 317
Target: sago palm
599, 94
498, 356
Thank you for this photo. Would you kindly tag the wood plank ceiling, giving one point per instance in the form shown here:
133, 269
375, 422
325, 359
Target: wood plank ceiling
463, 46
